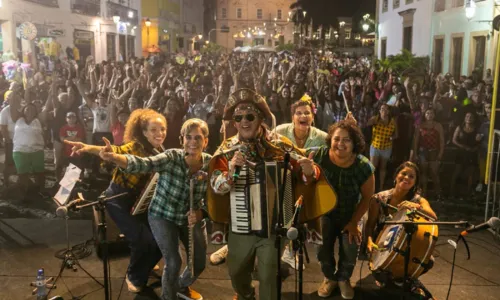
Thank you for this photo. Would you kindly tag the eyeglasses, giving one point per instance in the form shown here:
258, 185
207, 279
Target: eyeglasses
248, 117
300, 114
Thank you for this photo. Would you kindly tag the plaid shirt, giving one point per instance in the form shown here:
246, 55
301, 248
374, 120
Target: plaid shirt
346, 182
127, 180
171, 199
382, 134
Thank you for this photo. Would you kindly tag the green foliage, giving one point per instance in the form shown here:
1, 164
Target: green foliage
405, 64
212, 48
288, 47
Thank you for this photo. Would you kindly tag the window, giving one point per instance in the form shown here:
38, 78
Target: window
238, 13
279, 14
456, 56
407, 37
479, 44
110, 46
440, 5
348, 35
224, 13
238, 43
438, 55
385, 5
395, 4
259, 13
409, 1
457, 3
383, 48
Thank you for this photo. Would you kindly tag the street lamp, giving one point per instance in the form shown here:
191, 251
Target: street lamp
148, 24
366, 27
200, 36
470, 9
116, 18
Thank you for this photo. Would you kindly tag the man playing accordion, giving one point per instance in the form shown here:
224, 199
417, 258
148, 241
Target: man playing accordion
234, 196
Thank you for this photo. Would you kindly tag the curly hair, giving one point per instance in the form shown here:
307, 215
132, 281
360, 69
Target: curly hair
138, 123
300, 103
354, 132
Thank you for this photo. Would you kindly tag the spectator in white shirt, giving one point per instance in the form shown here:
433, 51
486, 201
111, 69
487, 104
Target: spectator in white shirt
7, 128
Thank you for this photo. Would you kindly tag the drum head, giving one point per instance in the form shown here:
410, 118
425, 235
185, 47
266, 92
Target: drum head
392, 236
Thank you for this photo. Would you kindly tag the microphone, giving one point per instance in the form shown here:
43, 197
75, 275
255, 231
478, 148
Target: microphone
493, 223
292, 233
237, 169
62, 211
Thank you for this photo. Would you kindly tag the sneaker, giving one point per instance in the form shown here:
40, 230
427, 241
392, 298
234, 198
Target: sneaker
346, 289
217, 238
131, 287
219, 256
326, 288
290, 259
189, 294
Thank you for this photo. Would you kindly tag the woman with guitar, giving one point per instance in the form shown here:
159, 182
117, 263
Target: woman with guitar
144, 134
177, 208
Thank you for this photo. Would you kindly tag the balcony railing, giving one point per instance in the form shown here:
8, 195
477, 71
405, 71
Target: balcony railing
115, 9
51, 3
86, 7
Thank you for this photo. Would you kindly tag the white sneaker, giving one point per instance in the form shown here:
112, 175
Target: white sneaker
346, 289
219, 256
326, 288
290, 259
131, 287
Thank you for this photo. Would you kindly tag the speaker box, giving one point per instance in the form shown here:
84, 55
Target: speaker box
117, 244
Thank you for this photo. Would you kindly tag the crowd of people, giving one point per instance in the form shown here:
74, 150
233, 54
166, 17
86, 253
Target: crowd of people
350, 121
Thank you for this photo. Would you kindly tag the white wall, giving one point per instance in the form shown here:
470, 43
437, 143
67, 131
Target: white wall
452, 21
391, 26
18, 11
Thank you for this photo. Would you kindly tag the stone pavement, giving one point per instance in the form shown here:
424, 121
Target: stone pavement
28, 244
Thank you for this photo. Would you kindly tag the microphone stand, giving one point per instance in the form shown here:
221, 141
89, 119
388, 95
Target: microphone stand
410, 228
299, 245
279, 224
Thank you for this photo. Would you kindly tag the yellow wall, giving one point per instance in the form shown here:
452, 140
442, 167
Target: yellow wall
153, 36
150, 8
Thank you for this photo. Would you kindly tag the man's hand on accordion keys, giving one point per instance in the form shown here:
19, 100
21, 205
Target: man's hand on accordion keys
194, 216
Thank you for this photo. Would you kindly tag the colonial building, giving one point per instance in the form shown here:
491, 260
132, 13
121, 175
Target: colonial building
403, 24
172, 25
462, 43
103, 29
253, 22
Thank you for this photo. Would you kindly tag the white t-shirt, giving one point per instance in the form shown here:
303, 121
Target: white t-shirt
102, 119
28, 137
6, 119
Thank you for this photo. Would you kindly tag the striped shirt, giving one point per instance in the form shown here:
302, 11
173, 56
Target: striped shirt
171, 199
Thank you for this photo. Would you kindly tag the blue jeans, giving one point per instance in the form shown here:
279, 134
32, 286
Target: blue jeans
167, 235
144, 252
331, 230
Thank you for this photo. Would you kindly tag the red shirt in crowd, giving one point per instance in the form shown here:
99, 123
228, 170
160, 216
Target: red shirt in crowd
73, 133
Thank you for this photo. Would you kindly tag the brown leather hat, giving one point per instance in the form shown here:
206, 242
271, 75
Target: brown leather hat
246, 96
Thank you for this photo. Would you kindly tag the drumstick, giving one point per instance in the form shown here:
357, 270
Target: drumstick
345, 102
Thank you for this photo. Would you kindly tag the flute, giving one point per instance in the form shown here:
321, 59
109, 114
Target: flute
191, 228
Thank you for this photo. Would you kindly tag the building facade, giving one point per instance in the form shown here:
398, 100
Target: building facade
403, 24
104, 29
174, 25
461, 45
253, 22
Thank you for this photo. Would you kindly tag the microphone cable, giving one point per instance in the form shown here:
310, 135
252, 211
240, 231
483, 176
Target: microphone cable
455, 244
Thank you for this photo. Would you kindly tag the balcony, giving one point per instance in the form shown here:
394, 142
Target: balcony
50, 3
86, 7
115, 9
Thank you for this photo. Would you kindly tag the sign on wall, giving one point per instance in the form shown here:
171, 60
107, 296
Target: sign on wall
28, 31
56, 32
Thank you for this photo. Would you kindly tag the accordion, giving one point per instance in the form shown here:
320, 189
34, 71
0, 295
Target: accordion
142, 203
254, 199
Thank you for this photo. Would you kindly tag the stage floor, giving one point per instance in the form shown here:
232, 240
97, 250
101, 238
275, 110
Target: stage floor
28, 244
